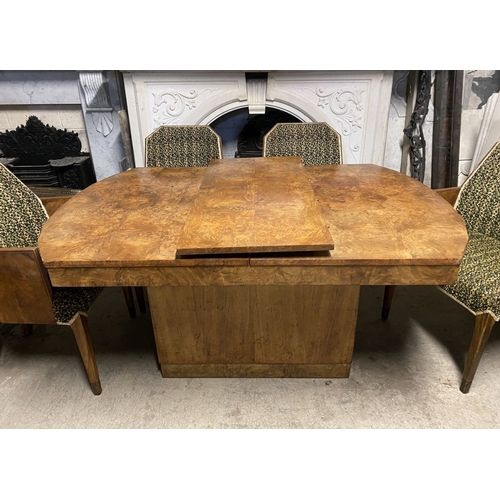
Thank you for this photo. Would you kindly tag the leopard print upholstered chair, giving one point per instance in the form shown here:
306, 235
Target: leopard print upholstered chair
52, 199
26, 294
478, 283
182, 146
315, 143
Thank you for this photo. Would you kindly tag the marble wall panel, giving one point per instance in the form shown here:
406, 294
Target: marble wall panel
38, 87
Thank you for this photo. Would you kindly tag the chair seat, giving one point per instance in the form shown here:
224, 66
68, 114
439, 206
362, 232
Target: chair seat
478, 283
67, 302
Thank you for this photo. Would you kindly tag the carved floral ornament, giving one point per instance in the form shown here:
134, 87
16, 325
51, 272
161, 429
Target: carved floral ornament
171, 104
345, 106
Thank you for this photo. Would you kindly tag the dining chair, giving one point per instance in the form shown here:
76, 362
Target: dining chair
316, 143
26, 295
477, 287
182, 146
53, 198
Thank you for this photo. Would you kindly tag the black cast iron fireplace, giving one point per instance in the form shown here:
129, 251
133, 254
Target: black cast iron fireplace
42, 155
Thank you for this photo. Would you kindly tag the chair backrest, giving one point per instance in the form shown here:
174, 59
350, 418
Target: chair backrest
479, 199
22, 213
316, 143
182, 146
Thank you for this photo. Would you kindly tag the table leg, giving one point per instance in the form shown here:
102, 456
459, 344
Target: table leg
254, 331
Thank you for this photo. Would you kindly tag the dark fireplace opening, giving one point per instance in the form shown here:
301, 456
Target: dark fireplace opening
42, 155
242, 134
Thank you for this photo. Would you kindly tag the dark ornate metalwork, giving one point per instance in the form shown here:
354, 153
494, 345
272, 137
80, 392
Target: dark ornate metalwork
414, 130
36, 143
70, 179
250, 140
42, 155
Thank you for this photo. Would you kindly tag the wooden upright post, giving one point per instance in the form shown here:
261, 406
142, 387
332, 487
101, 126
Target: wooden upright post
446, 135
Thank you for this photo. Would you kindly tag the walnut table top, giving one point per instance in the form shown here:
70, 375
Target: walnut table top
250, 205
387, 228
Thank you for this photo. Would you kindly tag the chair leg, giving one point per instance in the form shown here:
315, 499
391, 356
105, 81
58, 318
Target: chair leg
129, 299
482, 329
141, 300
388, 295
27, 330
80, 329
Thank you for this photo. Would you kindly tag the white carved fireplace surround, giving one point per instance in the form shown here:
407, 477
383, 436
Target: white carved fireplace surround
355, 103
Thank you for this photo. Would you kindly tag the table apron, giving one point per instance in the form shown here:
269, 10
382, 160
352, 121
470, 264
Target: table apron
254, 275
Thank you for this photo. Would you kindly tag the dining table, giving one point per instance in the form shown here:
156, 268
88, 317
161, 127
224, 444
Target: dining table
253, 266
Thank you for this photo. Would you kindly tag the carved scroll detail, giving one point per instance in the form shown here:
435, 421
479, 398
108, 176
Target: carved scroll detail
171, 104
348, 106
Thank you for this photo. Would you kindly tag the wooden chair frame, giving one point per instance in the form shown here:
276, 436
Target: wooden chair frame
26, 298
483, 323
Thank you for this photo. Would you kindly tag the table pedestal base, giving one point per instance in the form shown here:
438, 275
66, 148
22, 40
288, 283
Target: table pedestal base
254, 331
257, 370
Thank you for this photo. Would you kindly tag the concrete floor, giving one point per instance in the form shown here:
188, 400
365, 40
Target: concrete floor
406, 373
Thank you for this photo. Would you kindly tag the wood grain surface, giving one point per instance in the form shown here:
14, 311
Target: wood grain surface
271, 314
449, 194
250, 205
254, 330
254, 275
25, 292
124, 230
53, 203
255, 370
134, 217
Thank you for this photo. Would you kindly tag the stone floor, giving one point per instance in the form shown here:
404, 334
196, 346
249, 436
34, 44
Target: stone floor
405, 374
